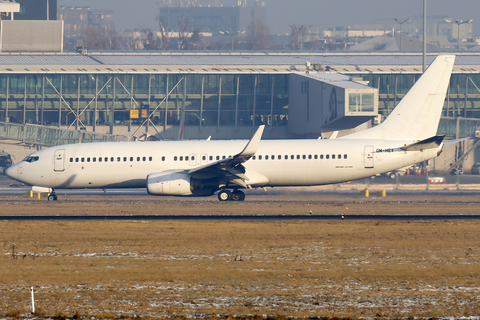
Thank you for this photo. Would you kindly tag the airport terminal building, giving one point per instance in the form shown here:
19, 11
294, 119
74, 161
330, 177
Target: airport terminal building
225, 95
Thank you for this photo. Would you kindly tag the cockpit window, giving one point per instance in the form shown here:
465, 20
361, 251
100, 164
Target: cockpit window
31, 159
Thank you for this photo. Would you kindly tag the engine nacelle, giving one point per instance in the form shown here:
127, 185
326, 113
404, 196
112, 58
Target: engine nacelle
169, 183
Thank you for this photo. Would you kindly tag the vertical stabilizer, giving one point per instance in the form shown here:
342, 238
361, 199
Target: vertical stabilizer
417, 115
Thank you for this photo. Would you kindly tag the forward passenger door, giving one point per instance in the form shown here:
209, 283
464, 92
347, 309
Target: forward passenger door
58, 162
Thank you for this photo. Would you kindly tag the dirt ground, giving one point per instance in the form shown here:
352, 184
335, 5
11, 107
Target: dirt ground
113, 269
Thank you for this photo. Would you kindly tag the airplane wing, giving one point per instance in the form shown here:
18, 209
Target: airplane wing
232, 167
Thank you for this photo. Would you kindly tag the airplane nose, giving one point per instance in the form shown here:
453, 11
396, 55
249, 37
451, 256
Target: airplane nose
12, 172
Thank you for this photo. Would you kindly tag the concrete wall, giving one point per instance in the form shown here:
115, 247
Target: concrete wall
31, 36
312, 105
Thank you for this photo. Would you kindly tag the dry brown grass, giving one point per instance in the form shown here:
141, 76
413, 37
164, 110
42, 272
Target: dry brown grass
289, 268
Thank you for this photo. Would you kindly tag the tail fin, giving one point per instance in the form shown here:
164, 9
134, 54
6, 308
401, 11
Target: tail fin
417, 115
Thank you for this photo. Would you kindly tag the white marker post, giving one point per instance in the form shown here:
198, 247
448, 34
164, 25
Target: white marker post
33, 301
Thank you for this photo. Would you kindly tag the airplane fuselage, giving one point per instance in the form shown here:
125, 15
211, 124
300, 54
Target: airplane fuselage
276, 162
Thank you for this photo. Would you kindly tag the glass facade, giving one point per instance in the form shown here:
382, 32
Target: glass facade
90, 100
78, 101
361, 102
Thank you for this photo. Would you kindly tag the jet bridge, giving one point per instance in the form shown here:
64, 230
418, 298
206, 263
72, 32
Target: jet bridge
325, 102
35, 135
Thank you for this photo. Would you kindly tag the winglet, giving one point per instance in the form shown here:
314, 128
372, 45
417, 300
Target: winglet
252, 145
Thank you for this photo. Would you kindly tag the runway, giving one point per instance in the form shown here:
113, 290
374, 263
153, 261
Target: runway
240, 217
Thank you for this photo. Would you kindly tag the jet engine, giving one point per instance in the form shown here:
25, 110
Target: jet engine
179, 184
169, 183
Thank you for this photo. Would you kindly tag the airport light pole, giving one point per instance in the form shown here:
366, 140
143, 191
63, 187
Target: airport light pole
458, 23
231, 34
424, 35
400, 23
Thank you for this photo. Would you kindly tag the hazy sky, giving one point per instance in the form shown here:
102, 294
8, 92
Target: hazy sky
321, 14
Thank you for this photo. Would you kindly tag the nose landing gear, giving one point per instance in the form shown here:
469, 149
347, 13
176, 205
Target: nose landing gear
52, 196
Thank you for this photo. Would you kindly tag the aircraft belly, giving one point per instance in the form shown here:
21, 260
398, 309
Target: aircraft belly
313, 174
107, 178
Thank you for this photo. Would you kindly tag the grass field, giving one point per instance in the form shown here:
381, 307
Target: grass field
311, 268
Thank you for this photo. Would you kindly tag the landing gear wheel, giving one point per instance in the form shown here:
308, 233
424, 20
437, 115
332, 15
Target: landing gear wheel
225, 195
52, 197
238, 195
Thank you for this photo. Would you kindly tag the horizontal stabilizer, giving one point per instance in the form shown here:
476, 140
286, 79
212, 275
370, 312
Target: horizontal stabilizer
430, 143
453, 141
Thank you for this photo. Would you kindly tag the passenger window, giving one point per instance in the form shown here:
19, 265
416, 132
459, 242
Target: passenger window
298, 157
218, 157
144, 159
292, 157
266, 157
175, 158
186, 158
204, 158
181, 158
100, 159
344, 156
315, 156
309, 156
223, 157
210, 158
71, 159
163, 158
259, 157
273, 157
150, 158
106, 159
76, 159
88, 159
118, 159
112, 159
327, 156
304, 157
253, 157
321, 156
131, 158
339, 156
333, 156
193, 158
124, 159
95, 159
286, 157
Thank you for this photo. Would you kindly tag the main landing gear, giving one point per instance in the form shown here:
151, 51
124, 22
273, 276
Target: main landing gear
227, 195
52, 196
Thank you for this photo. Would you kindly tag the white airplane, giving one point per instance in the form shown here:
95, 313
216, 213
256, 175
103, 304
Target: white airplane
201, 168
